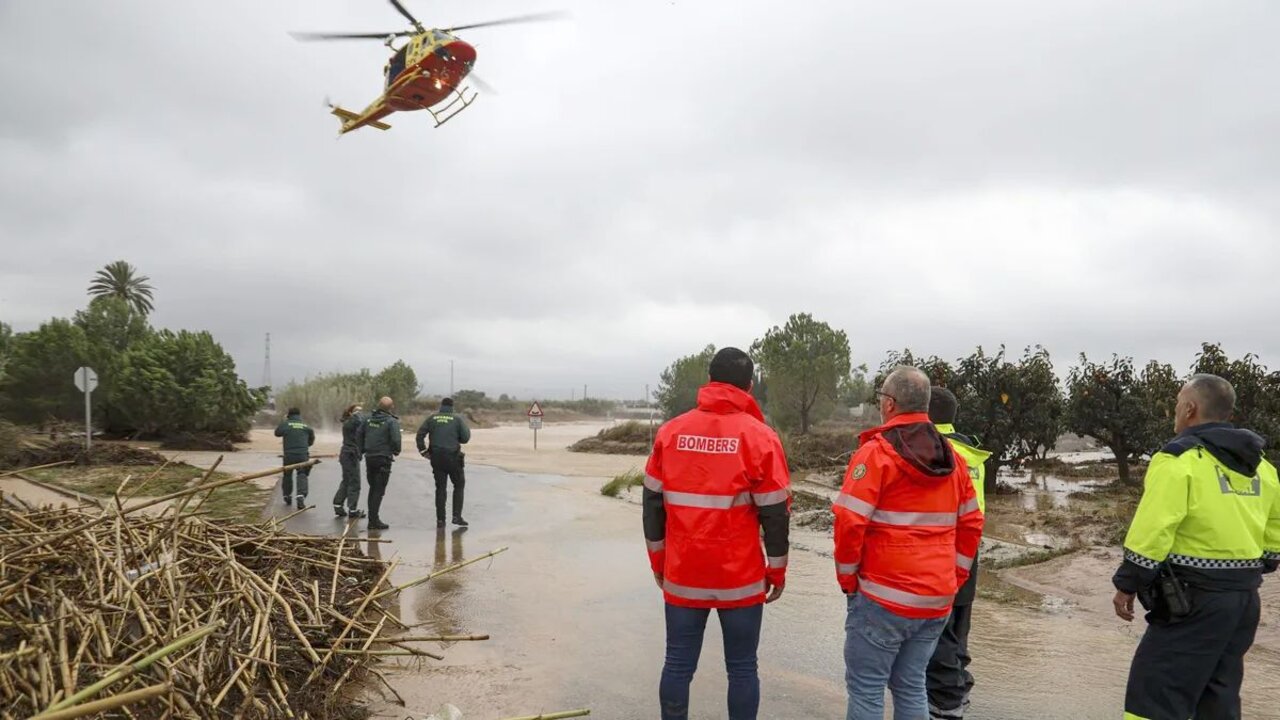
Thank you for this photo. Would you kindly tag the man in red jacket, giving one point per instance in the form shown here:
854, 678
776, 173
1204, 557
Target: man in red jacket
717, 475
907, 530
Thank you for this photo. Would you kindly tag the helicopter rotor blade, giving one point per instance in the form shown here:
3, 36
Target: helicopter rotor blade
408, 15
534, 17
483, 86
311, 36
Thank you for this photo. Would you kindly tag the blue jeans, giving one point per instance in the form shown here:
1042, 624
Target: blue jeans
883, 648
741, 630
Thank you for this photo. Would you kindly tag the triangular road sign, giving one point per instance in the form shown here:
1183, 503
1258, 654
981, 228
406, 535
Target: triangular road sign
535, 410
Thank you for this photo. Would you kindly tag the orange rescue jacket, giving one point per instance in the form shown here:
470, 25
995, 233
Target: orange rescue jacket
907, 523
716, 475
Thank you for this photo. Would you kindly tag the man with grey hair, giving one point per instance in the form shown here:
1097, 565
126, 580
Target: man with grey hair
1206, 529
907, 528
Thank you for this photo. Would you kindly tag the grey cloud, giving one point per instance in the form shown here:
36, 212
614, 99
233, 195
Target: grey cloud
653, 177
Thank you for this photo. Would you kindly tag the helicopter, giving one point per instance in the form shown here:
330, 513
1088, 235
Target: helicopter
425, 72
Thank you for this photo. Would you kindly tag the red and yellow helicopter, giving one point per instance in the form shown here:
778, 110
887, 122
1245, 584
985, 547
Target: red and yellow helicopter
424, 72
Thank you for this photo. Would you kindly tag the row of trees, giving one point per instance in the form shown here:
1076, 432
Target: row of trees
1016, 406
152, 382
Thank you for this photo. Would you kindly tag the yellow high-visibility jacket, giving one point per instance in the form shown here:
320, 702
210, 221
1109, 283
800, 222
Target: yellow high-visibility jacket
1210, 508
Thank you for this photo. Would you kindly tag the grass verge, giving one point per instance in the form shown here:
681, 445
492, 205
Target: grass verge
241, 502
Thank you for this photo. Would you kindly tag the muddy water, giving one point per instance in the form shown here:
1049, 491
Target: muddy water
576, 620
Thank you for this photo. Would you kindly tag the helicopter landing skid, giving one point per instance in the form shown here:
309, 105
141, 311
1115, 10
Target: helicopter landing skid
457, 103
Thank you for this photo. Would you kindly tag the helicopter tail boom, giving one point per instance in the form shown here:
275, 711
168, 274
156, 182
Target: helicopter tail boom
350, 120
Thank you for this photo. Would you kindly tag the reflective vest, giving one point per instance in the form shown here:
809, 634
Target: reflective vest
907, 522
974, 458
1198, 513
716, 468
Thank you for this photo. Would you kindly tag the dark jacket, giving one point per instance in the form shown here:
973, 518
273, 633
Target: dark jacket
380, 434
350, 435
445, 430
297, 437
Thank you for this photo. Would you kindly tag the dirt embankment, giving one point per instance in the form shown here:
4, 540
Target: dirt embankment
628, 438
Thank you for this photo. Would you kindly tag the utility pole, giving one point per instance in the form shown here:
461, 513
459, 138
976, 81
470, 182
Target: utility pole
584, 391
266, 376
450, 378
266, 365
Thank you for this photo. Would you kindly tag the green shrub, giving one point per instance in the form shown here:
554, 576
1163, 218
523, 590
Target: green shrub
625, 481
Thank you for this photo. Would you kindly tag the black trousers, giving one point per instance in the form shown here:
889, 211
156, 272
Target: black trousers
349, 488
948, 678
1192, 667
377, 469
303, 475
446, 465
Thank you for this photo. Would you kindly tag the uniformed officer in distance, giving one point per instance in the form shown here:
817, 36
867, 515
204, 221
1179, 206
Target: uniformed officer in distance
1206, 530
440, 439
379, 438
347, 499
296, 439
716, 476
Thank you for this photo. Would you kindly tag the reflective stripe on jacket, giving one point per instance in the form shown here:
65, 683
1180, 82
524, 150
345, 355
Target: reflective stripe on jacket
907, 521
715, 476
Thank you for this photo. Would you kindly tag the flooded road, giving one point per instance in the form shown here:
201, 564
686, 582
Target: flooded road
576, 621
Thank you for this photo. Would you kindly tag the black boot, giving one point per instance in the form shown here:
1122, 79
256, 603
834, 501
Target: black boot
356, 514
457, 506
339, 511
375, 523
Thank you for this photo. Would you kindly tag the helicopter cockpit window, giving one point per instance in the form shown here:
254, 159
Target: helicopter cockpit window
397, 64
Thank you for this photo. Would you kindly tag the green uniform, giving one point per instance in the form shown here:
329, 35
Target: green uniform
447, 433
297, 438
1209, 515
443, 431
379, 436
379, 439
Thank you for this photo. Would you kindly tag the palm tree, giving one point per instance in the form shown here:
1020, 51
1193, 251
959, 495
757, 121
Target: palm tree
120, 279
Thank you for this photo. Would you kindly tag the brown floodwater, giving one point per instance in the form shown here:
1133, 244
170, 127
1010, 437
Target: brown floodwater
576, 621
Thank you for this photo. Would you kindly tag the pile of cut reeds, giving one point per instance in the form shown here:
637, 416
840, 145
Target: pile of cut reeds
115, 613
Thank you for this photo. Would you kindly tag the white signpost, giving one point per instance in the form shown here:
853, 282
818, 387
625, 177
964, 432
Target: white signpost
535, 421
87, 381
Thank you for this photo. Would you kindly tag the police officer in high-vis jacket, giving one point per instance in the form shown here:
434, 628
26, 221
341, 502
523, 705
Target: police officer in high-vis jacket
1206, 530
948, 678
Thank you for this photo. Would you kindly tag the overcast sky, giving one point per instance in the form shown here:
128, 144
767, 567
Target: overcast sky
654, 176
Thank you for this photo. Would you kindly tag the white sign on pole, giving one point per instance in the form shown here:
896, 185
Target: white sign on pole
535, 421
87, 381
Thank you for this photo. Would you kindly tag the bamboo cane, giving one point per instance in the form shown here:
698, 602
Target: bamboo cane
436, 574
125, 671
108, 703
60, 463
554, 715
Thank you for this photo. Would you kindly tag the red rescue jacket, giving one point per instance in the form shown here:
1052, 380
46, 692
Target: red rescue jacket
907, 523
716, 475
